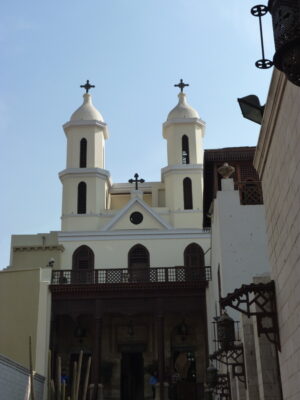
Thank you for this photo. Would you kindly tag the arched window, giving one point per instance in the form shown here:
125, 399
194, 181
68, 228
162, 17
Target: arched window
81, 198
193, 256
138, 263
185, 150
83, 153
187, 194
194, 263
83, 265
83, 259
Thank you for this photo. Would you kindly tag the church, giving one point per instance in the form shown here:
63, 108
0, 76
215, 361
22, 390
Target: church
128, 278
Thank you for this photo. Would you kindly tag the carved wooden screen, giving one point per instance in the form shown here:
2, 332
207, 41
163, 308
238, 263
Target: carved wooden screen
138, 263
83, 265
193, 260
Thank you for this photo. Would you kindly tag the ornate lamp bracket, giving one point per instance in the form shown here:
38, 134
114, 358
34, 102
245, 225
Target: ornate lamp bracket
233, 357
223, 387
259, 11
257, 299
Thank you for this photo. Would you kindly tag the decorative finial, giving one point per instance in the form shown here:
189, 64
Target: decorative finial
87, 86
181, 85
226, 170
136, 181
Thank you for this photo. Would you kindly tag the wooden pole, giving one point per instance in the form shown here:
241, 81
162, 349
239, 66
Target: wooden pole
86, 381
31, 371
74, 381
78, 375
91, 391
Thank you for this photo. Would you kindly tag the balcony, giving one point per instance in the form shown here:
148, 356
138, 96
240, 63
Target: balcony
134, 278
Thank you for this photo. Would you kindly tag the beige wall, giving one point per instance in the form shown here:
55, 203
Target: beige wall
278, 163
25, 310
34, 251
114, 253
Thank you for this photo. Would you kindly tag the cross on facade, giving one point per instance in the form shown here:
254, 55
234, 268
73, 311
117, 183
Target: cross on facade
87, 86
136, 181
181, 85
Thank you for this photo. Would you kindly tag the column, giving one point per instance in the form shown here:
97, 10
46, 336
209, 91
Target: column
96, 356
161, 354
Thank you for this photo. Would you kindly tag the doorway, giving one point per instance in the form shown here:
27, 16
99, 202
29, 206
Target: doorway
132, 376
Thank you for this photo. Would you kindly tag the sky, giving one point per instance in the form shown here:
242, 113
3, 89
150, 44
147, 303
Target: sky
133, 51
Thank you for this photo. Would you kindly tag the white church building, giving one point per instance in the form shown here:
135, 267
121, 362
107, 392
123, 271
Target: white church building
134, 276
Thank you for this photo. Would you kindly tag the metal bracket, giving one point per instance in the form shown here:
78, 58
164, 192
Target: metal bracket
223, 387
233, 357
259, 11
257, 299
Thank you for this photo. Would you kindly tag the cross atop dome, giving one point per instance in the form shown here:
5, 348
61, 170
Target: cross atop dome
181, 85
87, 86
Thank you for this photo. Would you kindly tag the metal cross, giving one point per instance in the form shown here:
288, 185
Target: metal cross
181, 85
136, 181
87, 86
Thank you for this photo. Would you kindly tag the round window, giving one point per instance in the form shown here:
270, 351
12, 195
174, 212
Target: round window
136, 217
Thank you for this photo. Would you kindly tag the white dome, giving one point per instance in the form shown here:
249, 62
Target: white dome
182, 110
87, 112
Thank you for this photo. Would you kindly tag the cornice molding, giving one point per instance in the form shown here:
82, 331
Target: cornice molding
71, 124
58, 247
196, 121
85, 172
182, 169
126, 234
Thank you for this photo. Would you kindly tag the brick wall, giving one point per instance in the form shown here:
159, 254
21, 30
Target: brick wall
14, 381
278, 163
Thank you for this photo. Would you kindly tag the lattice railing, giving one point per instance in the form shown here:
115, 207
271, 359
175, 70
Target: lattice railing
250, 192
132, 275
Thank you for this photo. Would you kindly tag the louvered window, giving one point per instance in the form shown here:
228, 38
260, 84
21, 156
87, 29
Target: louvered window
81, 198
83, 153
185, 150
187, 194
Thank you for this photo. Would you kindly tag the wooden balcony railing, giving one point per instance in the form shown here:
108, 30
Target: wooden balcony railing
131, 276
250, 192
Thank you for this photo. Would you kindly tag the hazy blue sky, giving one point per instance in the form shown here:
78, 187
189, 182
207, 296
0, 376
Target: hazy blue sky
133, 51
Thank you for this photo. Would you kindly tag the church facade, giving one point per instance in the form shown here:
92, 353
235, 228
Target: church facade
130, 264
134, 277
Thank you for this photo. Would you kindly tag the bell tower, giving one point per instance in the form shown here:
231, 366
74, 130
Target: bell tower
85, 181
183, 176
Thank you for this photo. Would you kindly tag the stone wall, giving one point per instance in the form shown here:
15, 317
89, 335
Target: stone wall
15, 383
277, 161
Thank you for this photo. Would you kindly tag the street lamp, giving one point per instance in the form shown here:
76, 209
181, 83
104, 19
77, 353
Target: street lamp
226, 332
251, 108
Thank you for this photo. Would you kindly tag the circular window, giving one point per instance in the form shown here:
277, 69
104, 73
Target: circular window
136, 218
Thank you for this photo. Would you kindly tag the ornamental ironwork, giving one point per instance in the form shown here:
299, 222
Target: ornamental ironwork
233, 357
257, 299
223, 387
259, 11
286, 28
